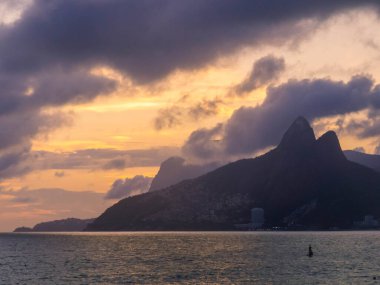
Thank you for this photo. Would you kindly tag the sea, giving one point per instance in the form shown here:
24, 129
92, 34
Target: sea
190, 258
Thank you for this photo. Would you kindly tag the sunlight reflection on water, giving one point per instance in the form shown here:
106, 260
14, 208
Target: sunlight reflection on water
190, 258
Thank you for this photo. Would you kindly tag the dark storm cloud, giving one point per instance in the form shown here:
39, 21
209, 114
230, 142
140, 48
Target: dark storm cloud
264, 71
22, 100
253, 128
19, 128
129, 186
46, 57
10, 161
148, 39
51, 88
16, 132
61, 88
375, 99
204, 143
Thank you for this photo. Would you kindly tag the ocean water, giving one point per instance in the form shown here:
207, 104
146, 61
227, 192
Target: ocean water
190, 258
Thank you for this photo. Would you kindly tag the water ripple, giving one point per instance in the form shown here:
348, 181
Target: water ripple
190, 258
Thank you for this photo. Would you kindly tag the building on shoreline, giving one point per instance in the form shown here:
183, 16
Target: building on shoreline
369, 222
257, 220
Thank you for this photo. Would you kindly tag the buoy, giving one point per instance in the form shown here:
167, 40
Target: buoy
310, 254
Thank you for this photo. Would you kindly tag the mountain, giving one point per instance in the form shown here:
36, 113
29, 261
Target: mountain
174, 170
66, 225
23, 230
369, 160
304, 181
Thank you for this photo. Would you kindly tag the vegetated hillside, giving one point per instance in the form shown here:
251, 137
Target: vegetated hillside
303, 181
174, 170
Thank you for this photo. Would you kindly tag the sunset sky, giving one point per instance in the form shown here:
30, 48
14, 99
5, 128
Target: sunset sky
96, 93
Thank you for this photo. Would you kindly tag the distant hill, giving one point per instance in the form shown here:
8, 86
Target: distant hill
23, 230
304, 181
66, 225
174, 170
369, 160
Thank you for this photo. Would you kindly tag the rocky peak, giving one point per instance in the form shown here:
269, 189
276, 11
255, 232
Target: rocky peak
299, 135
175, 169
328, 146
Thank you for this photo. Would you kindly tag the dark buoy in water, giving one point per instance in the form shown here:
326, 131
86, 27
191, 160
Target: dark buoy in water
310, 253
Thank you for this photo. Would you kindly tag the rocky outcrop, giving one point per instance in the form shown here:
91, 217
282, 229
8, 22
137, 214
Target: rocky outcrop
175, 169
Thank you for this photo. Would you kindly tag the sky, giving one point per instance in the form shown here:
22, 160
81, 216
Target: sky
96, 94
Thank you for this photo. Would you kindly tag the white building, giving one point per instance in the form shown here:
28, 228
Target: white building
257, 217
368, 222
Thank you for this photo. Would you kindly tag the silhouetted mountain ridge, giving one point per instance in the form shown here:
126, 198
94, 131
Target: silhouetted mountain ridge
303, 181
298, 136
64, 225
369, 160
175, 169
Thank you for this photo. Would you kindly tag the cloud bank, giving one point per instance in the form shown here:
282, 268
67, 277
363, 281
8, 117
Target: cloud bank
264, 71
251, 129
122, 188
48, 55
148, 39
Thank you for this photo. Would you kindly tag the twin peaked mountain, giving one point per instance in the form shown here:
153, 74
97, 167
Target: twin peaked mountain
303, 181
